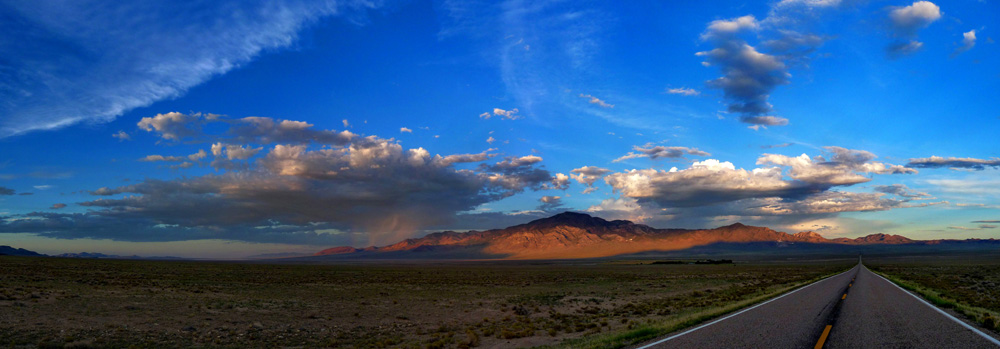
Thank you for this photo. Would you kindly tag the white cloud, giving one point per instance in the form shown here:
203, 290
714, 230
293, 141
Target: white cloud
683, 91
908, 19
712, 181
405, 130
198, 156
730, 26
154, 158
122, 136
968, 42
597, 101
587, 175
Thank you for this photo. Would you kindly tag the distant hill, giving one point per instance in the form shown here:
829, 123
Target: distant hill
572, 235
96, 255
10, 251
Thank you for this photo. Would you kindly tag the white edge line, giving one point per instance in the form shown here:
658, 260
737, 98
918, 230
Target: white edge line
960, 322
740, 312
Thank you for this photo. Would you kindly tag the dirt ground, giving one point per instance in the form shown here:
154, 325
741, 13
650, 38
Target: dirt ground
55, 302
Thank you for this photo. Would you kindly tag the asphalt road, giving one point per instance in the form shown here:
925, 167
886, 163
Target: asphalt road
855, 309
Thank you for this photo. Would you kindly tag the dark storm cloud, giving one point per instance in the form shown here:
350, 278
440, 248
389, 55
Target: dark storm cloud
368, 186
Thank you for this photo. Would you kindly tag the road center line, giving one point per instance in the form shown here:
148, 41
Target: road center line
742, 311
822, 338
960, 322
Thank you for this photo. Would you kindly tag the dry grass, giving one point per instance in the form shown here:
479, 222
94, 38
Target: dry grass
58, 302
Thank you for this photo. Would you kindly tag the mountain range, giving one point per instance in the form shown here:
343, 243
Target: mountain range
571, 235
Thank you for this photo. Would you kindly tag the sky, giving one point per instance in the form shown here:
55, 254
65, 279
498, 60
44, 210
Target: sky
218, 129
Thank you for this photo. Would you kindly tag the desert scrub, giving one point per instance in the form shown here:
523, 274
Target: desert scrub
410, 305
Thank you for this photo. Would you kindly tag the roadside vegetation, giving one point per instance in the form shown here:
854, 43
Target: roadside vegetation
969, 286
51, 302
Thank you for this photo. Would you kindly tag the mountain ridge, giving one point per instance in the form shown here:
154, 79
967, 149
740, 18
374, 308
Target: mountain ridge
571, 235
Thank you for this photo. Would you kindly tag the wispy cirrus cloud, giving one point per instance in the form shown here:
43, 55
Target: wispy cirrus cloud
78, 62
597, 101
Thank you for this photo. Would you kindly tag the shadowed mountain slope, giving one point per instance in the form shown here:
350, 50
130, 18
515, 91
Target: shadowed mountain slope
576, 235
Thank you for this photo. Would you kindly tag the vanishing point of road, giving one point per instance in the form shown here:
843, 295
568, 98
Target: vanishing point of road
854, 309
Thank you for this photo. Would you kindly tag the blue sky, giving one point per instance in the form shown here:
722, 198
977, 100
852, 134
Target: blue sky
225, 130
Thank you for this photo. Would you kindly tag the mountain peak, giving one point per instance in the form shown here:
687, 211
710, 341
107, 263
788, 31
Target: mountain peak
574, 219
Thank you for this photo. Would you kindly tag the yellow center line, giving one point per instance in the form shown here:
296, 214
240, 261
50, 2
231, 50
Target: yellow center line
822, 338
844, 297
849, 285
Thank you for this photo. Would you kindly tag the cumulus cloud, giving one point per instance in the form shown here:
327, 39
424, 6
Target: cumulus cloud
176, 126
371, 186
57, 206
201, 154
559, 181
587, 175
257, 129
134, 55
954, 163
712, 181
660, 152
503, 114
172, 125
550, 203
900, 190
683, 91
906, 21
597, 101
968, 42
122, 136
749, 76
405, 130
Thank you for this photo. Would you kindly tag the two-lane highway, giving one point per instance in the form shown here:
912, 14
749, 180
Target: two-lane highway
854, 309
